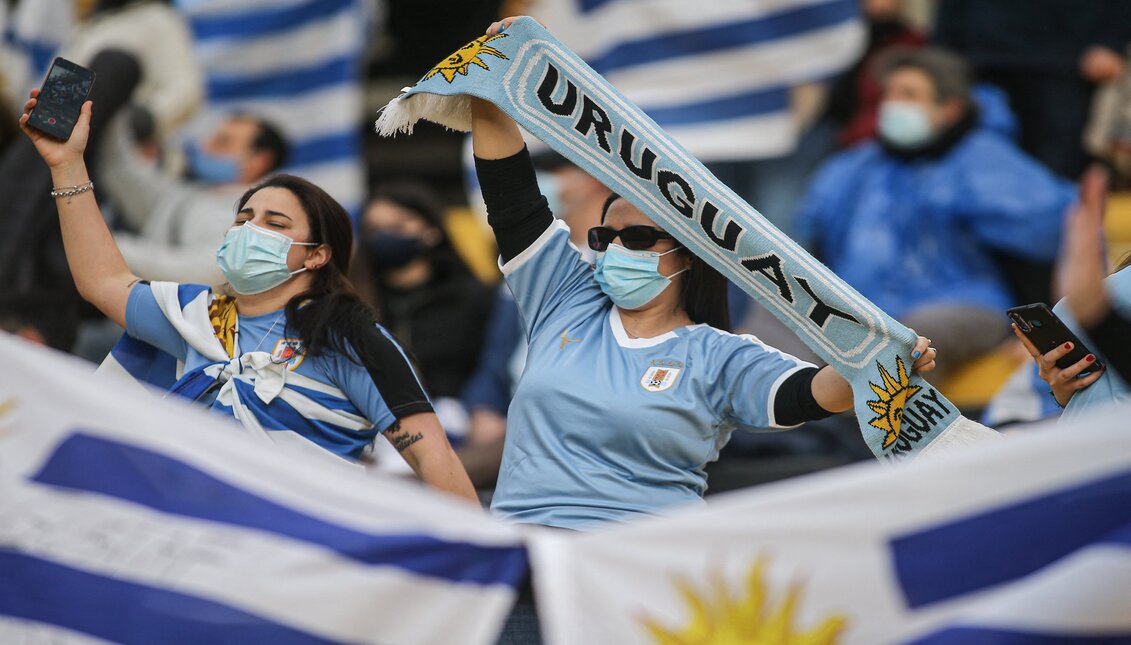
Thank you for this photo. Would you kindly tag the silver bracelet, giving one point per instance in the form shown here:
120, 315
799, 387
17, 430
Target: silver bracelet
71, 191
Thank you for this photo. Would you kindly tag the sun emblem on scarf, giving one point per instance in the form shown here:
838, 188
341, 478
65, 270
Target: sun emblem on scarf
893, 396
460, 61
720, 617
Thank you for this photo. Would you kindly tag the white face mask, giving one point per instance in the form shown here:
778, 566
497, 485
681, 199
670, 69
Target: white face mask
905, 125
254, 259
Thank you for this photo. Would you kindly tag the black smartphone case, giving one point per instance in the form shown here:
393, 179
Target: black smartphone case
1041, 326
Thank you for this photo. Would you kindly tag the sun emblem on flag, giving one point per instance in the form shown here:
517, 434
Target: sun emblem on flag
6, 406
893, 396
460, 61
720, 617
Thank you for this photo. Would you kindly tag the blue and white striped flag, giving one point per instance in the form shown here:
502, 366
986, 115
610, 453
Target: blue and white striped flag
299, 64
1019, 541
715, 75
135, 520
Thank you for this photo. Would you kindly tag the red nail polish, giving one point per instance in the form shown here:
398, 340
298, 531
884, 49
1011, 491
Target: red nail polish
1068, 346
1089, 358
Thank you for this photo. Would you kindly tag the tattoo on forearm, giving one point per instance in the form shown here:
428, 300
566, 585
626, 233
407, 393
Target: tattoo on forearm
402, 442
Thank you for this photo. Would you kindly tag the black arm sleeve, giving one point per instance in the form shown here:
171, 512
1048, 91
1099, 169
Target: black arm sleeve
392, 374
516, 211
1112, 336
794, 403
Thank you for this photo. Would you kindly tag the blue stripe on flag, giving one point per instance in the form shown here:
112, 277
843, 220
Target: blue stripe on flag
1008, 543
708, 40
285, 83
40, 52
758, 102
332, 147
127, 612
145, 362
98, 465
260, 22
999, 636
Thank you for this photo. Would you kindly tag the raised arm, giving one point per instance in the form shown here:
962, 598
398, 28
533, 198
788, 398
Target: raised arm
99, 271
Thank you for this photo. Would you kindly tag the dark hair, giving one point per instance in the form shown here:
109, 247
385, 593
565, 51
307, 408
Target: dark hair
703, 291
329, 314
949, 73
270, 139
422, 201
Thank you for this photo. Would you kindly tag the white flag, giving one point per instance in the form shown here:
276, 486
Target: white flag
1020, 541
126, 518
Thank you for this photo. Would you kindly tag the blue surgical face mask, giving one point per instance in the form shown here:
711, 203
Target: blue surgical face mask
209, 168
254, 259
905, 125
631, 279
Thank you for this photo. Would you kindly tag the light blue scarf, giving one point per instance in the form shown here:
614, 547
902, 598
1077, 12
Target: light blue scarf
555, 96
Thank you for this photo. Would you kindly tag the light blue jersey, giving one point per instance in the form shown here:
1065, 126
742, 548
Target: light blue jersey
329, 399
1109, 389
606, 427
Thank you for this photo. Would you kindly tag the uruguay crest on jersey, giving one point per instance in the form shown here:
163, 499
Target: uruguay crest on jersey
289, 351
659, 378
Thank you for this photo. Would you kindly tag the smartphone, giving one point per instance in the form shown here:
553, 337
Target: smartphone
1041, 326
60, 99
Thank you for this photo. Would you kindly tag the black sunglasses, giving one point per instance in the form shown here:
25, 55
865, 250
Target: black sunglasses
633, 238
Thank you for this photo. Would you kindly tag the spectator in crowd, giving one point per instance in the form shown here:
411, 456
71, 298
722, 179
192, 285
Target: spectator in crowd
426, 295
633, 381
290, 322
925, 220
1098, 311
178, 222
854, 99
1048, 56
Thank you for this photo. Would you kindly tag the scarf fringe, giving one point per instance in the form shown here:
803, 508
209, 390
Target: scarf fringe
401, 114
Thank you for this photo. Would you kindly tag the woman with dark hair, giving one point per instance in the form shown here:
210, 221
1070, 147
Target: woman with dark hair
426, 295
632, 383
289, 352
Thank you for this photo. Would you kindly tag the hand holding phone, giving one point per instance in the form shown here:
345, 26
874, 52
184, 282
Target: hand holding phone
60, 100
1045, 331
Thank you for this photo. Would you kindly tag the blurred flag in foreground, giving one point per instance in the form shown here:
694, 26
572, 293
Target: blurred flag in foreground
297, 63
126, 518
1023, 541
715, 74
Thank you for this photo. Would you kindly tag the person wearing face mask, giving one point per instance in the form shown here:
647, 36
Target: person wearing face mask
169, 225
941, 220
425, 293
286, 349
632, 380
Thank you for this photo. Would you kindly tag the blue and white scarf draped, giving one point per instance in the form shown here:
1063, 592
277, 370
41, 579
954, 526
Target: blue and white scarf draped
246, 383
